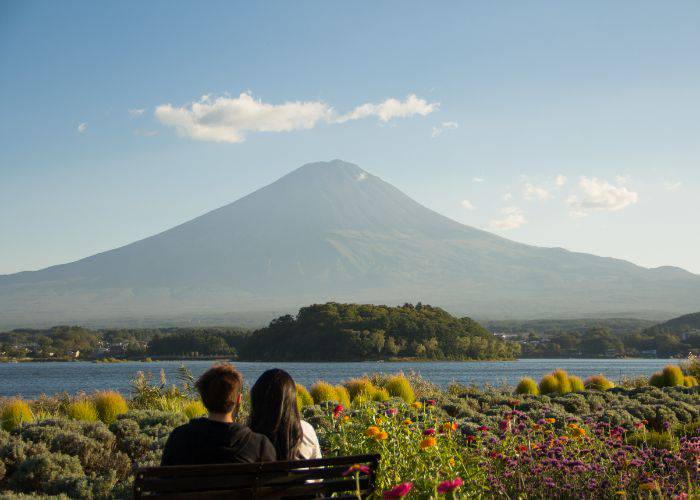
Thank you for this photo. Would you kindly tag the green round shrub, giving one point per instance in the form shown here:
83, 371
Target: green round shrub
563, 379
323, 391
356, 386
343, 395
657, 380
576, 384
549, 384
15, 413
304, 399
380, 395
398, 386
194, 409
527, 386
109, 405
598, 383
83, 410
673, 375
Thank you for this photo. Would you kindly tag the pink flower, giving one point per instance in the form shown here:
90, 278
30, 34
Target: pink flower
450, 486
398, 491
429, 432
483, 428
504, 425
338, 410
363, 469
391, 412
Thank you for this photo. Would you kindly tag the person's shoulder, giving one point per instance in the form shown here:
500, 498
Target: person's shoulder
307, 428
186, 428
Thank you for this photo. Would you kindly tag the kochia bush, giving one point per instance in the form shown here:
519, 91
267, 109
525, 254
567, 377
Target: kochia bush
549, 384
15, 413
109, 405
576, 384
323, 391
194, 409
673, 375
304, 399
527, 386
343, 395
598, 383
690, 381
357, 386
563, 379
399, 386
83, 410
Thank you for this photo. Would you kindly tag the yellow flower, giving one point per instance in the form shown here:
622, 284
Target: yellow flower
647, 486
551, 420
372, 431
449, 426
417, 404
572, 426
621, 493
451, 461
378, 420
407, 422
345, 418
428, 443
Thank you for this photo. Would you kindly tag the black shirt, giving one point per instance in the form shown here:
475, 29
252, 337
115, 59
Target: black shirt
204, 441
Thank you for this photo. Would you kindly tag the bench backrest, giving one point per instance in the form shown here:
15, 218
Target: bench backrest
318, 478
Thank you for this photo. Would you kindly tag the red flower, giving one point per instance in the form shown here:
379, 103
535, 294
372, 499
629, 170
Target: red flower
338, 410
471, 438
449, 486
522, 448
398, 491
429, 432
431, 402
483, 428
363, 469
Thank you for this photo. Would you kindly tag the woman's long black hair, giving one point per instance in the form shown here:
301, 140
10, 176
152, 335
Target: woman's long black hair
274, 413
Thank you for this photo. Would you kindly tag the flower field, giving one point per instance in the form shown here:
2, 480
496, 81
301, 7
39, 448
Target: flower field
639, 440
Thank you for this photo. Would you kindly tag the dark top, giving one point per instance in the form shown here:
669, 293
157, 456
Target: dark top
204, 441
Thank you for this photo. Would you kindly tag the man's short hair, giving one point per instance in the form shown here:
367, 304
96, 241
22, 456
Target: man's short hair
219, 388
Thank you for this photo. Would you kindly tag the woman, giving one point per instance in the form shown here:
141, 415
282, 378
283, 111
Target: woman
274, 413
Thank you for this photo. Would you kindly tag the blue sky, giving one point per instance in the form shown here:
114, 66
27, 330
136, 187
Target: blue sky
550, 123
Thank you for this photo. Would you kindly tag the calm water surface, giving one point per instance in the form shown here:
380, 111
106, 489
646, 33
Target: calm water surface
29, 380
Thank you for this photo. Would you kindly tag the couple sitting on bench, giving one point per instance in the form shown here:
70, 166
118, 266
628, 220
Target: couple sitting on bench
275, 431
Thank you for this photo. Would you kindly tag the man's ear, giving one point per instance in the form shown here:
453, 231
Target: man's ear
238, 399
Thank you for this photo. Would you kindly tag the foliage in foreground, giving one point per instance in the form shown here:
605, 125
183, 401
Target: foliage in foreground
643, 441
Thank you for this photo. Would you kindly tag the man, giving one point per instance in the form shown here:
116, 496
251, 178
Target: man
216, 438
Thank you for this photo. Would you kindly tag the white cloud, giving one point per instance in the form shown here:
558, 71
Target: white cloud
146, 133
513, 218
598, 195
507, 196
673, 186
137, 112
532, 192
82, 128
468, 205
228, 119
389, 109
442, 127
560, 180
478, 179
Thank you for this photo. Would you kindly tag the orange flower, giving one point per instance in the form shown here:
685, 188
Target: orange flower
345, 418
417, 404
372, 431
550, 420
380, 436
428, 442
378, 420
572, 426
449, 426
647, 486
578, 432
408, 421
451, 461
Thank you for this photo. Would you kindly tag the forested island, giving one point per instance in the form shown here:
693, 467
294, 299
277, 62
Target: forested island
353, 332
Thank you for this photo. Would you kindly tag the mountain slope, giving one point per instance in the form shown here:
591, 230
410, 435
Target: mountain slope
331, 231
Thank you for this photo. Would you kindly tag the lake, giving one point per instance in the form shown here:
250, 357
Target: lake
29, 380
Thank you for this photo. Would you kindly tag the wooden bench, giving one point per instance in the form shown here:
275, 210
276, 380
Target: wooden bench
318, 478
